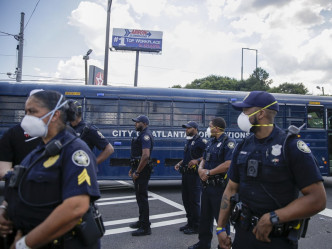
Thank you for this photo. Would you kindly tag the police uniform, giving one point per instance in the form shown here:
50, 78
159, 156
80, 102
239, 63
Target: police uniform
143, 141
91, 135
14, 145
191, 184
272, 184
50, 181
217, 151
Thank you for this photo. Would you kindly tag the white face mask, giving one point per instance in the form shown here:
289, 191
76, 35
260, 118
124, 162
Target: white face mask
35, 126
244, 123
208, 132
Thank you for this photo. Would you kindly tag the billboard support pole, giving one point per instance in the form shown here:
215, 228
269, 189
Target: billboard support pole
107, 43
136, 69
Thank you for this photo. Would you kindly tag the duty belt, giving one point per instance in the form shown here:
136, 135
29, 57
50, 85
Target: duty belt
215, 180
242, 217
186, 170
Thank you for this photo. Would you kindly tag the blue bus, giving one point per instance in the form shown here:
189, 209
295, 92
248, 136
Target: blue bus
112, 108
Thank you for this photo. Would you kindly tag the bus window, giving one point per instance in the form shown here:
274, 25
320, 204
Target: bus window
101, 112
129, 109
213, 110
279, 119
295, 115
315, 117
160, 112
187, 111
12, 109
329, 119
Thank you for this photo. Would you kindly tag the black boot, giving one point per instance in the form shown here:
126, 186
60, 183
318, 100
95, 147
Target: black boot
136, 224
142, 231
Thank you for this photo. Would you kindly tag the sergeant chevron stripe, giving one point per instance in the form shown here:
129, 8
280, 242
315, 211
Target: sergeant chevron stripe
84, 176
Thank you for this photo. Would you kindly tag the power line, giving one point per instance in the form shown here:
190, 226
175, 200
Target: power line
31, 14
38, 57
6, 33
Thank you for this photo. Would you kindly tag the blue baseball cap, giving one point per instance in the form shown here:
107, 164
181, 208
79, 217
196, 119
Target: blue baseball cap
257, 99
142, 118
190, 124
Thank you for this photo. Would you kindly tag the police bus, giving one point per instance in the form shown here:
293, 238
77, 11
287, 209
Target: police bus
112, 108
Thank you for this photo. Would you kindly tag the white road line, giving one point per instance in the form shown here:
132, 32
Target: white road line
119, 202
116, 198
326, 212
153, 225
152, 217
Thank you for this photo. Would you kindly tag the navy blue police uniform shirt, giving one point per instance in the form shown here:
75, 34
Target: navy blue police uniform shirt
14, 145
193, 149
52, 180
92, 136
280, 175
143, 141
218, 151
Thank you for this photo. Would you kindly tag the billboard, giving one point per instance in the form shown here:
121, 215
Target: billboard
96, 75
137, 40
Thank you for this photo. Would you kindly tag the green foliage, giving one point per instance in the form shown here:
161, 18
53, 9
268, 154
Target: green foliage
295, 88
257, 81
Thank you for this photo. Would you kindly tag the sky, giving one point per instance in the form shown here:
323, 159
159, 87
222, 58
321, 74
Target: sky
293, 40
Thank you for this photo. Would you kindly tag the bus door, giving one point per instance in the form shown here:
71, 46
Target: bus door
317, 136
329, 131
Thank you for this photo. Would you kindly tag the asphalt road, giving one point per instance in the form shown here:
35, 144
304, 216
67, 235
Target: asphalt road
119, 209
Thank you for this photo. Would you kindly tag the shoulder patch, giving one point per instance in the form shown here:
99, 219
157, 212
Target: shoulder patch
231, 145
50, 161
204, 140
302, 146
100, 134
146, 137
81, 158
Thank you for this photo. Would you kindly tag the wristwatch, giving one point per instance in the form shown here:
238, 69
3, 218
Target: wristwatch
274, 218
207, 172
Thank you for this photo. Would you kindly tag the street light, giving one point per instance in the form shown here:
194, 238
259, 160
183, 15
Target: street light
86, 58
242, 60
319, 89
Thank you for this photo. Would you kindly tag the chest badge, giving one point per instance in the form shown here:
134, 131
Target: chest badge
81, 158
192, 143
50, 161
276, 150
218, 145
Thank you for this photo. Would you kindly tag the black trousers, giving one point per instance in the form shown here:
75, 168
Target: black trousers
141, 191
191, 197
246, 239
210, 207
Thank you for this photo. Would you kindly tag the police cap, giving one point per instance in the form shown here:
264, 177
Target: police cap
257, 99
142, 118
190, 124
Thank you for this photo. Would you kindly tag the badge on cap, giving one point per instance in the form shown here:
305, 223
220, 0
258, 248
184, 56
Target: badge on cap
302, 146
81, 158
146, 137
50, 161
276, 149
231, 145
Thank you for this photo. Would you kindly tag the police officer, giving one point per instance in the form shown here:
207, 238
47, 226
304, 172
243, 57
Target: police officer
141, 149
191, 183
268, 169
212, 171
47, 196
90, 133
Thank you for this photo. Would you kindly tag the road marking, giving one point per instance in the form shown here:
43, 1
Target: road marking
119, 202
152, 217
153, 225
326, 212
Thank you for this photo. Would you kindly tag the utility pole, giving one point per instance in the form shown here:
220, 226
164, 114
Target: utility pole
107, 43
20, 39
136, 68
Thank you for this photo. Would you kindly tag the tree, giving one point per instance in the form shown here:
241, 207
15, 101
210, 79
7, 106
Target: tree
176, 86
214, 82
294, 88
258, 81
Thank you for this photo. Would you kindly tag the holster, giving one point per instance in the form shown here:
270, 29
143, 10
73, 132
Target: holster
92, 227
